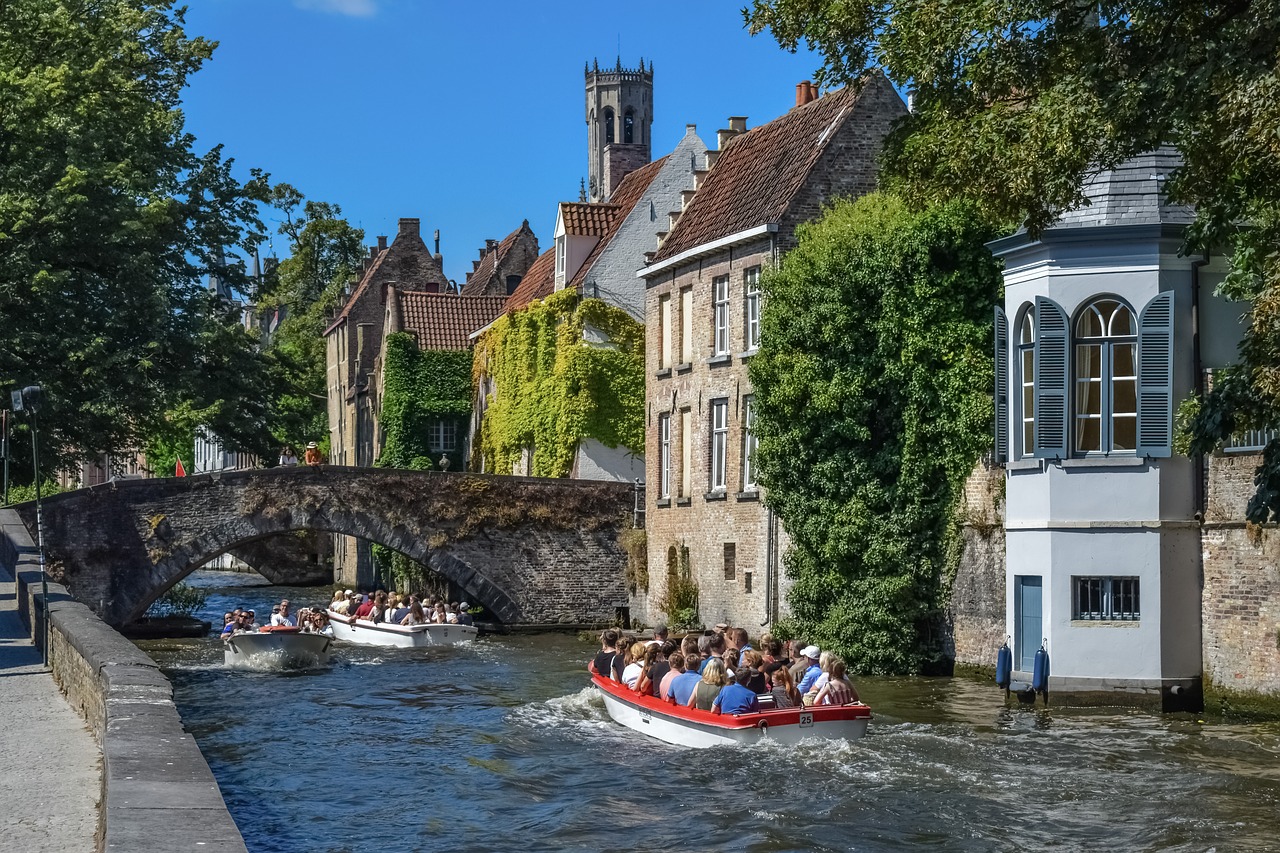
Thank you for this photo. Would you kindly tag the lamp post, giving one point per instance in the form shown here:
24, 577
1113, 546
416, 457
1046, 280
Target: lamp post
31, 398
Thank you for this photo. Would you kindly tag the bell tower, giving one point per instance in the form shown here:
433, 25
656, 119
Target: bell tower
619, 122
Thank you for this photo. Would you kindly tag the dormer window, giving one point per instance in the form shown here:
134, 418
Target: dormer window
560, 251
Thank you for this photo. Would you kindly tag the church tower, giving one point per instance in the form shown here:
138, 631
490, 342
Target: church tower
619, 122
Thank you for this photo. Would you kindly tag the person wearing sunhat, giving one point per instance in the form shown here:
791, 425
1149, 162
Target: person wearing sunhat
813, 671
313, 455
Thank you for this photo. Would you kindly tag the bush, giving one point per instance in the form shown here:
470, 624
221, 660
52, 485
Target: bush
180, 600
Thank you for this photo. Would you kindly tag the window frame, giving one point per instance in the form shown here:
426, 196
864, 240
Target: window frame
1107, 379
749, 444
443, 436
1106, 590
664, 455
718, 475
1026, 352
751, 309
720, 315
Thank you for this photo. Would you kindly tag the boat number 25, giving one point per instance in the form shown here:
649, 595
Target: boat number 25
806, 721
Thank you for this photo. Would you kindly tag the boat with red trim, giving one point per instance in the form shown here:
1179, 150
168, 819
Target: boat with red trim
283, 645
692, 727
365, 632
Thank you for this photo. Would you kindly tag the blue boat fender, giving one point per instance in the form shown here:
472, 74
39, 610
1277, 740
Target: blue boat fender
1004, 666
1040, 671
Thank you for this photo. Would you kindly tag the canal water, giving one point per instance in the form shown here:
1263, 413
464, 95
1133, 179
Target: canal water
498, 746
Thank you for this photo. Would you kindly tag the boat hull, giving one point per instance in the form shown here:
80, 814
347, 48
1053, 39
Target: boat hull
369, 633
288, 649
701, 729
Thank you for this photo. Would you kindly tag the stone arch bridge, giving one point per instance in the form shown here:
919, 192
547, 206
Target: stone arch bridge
531, 551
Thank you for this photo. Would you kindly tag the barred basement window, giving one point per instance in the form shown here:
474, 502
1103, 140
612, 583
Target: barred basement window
730, 561
1101, 599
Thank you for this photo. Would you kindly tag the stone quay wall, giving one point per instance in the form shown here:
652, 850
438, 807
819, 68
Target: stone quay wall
158, 793
975, 612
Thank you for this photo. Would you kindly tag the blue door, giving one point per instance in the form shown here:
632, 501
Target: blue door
1027, 623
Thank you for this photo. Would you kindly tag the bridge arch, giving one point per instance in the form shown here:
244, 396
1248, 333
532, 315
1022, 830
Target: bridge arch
532, 551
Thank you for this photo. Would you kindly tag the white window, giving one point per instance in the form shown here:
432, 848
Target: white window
751, 308
686, 325
719, 443
560, 256
686, 452
1106, 599
749, 445
1027, 378
664, 456
1106, 378
664, 325
720, 289
444, 436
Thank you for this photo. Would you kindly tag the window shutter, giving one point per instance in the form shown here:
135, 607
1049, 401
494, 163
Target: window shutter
1052, 379
1155, 377
1002, 386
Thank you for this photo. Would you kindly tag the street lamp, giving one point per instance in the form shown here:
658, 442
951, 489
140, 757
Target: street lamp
31, 399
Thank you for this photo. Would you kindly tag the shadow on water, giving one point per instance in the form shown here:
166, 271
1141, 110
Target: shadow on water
499, 745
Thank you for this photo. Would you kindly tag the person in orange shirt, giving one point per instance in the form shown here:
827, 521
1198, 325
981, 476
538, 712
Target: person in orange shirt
313, 455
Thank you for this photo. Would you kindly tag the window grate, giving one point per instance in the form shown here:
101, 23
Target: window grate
1106, 599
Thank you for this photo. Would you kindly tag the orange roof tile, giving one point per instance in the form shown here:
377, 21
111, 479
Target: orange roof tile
477, 279
443, 321
625, 198
587, 219
539, 282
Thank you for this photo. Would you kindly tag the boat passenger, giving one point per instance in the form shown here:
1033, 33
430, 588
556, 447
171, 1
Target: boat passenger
730, 658
451, 615
824, 663
682, 685
464, 614
281, 615
415, 616
809, 658
785, 694
736, 697
751, 661
607, 662
659, 634
379, 611
438, 615
660, 667
837, 690
365, 608
705, 691
675, 663
322, 624
689, 648
740, 641
634, 661
228, 625
401, 610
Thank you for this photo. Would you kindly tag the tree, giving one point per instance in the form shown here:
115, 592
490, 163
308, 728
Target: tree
325, 252
1018, 104
873, 403
109, 221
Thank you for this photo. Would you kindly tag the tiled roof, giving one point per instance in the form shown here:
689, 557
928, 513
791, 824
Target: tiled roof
583, 218
1131, 194
539, 282
625, 198
477, 280
443, 321
759, 172
357, 291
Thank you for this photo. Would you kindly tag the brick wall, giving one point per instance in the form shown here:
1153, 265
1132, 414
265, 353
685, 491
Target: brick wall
975, 611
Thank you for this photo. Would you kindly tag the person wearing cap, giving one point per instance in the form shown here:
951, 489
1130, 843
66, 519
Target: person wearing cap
464, 614
659, 635
313, 455
812, 672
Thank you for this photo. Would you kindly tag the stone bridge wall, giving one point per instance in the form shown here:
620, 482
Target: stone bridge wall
531, 551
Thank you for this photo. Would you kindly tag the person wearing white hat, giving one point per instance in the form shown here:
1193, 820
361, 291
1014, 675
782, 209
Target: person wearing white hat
313, 456
464, 617
813, 671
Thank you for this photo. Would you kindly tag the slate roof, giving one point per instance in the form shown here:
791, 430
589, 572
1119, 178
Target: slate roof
759, 172
1131, 194
583, 218
479, 278
625, 198
539, 282
443, 321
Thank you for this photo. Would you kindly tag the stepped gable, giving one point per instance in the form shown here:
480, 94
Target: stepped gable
538, 283
1131, 194
358, 291
478, 279
444, 321
759, 172
624, 198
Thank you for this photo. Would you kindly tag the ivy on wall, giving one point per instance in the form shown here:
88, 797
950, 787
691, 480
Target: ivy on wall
566, 369
421, 388
873, 394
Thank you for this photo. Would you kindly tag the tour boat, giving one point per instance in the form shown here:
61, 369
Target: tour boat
368, 633
286, 644
692, 727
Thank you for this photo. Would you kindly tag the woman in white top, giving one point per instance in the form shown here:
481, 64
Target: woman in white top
635, 665
287, 457
415, 616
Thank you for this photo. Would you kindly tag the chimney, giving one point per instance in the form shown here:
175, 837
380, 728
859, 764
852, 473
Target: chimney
738, 124
382, 243
805, 92
373, 253
490, 245
409, 227
437, 242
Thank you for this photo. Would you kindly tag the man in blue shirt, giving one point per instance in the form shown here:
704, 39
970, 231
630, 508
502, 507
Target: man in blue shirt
682, 685
812, 672
737, 698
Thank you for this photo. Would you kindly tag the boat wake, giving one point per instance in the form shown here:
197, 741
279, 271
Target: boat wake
579, 714
275, 661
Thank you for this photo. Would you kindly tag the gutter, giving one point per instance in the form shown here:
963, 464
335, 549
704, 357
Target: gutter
707, 248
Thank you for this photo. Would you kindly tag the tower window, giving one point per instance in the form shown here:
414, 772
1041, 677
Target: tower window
628, 127
608, 126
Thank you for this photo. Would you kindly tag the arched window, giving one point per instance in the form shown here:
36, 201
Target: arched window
1027, 380
608, 126
628, 127
1106, 379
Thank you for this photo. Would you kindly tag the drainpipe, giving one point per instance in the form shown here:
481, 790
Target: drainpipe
1198, 367
768, 569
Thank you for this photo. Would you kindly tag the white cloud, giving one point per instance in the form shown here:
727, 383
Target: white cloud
352, 8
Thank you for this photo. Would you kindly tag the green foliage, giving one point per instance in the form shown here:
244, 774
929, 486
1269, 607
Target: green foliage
679, 599
27, 491
873, 387
1018, 104
555, 389
180, 600
109, 221
421, 387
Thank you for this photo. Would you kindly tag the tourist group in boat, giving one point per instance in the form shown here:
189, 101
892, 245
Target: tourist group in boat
244, 620
400, 608
721, 672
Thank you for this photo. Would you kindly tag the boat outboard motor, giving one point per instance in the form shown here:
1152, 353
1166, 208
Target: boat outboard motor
1040, 672
1004, 666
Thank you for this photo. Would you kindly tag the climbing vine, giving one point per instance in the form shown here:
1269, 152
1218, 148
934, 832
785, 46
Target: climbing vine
421, 388
873, 395
565, 369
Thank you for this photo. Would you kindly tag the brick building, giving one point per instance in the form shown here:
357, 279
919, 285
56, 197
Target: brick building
702, 326
502, 264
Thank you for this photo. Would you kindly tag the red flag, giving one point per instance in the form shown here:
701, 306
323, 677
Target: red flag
178, 470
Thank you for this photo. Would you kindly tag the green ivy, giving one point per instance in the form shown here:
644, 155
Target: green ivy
555, 389
421, 387
873, 395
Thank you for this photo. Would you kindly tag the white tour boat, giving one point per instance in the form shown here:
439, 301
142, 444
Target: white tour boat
287, 645
692, 727
368, 633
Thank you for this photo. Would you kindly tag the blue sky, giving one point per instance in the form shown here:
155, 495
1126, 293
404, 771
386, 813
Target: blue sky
468, 115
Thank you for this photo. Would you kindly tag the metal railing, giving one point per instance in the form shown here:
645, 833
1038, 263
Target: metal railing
1249, 441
